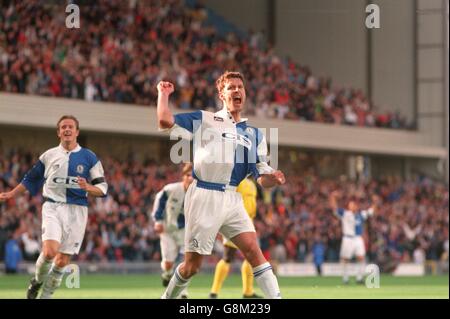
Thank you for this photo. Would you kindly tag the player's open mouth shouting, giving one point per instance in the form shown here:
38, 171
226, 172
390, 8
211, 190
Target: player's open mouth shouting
237, 99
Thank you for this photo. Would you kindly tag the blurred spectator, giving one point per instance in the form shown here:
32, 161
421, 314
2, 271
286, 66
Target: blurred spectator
413, 213
444, 256
31, 246
13, 255
419, 255
279, 254
123, 50
319, 253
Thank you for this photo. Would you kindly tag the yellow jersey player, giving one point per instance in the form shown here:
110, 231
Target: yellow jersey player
249, 192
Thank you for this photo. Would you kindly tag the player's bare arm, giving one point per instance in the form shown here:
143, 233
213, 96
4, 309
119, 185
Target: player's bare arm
90, 189
375, 203
159, 227
271, 180
333, 201
19, 189
165, 116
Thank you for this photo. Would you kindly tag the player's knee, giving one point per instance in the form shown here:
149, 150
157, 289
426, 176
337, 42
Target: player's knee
252, 253
60, 263
49, 253
167, 265
62, 260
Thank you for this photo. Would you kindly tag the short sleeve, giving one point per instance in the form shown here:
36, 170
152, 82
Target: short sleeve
340, 212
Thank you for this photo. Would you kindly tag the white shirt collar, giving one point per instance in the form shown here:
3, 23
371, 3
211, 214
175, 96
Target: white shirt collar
224, 113
76, 149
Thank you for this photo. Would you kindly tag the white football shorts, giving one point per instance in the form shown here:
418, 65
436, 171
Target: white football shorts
66, 224
209, 212
352, 246
172, 243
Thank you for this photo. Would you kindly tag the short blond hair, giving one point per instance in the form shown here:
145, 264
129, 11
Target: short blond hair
220, 83
68, 117
187, 168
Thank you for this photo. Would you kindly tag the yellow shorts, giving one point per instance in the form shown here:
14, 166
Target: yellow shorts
227, 242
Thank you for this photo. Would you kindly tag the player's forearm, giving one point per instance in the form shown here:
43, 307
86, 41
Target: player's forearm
19, 189
333, 205
266, 181
165, 116
159, 226
94, 191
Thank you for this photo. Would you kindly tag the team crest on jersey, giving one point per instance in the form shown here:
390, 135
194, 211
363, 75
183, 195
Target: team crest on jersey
249, 130
80, 169
218, 119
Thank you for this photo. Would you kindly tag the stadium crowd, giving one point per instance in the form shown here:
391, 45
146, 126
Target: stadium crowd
411, 224
124, 48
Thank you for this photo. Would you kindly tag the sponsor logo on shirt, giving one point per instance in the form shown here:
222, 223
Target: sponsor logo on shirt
240, 139
69, 181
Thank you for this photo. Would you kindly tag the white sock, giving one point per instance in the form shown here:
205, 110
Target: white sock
345, 271
166, 273
176, 285
361, 268
184, 292
53, 281
42, 267
267, 281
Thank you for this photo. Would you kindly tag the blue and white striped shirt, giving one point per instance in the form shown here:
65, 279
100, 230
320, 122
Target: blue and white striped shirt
225, 152
58, 169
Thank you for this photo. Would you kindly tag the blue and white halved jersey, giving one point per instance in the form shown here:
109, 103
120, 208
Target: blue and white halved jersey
353, 223
225, 152
57, 170
168, 207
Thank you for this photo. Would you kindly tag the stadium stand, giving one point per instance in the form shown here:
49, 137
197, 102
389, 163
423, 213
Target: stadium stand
125, 48
411, 225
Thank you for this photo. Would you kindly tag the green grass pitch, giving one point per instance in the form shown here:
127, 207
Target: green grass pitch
149, 287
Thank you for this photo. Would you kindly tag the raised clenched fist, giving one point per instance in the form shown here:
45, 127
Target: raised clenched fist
165, 88
279, 176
